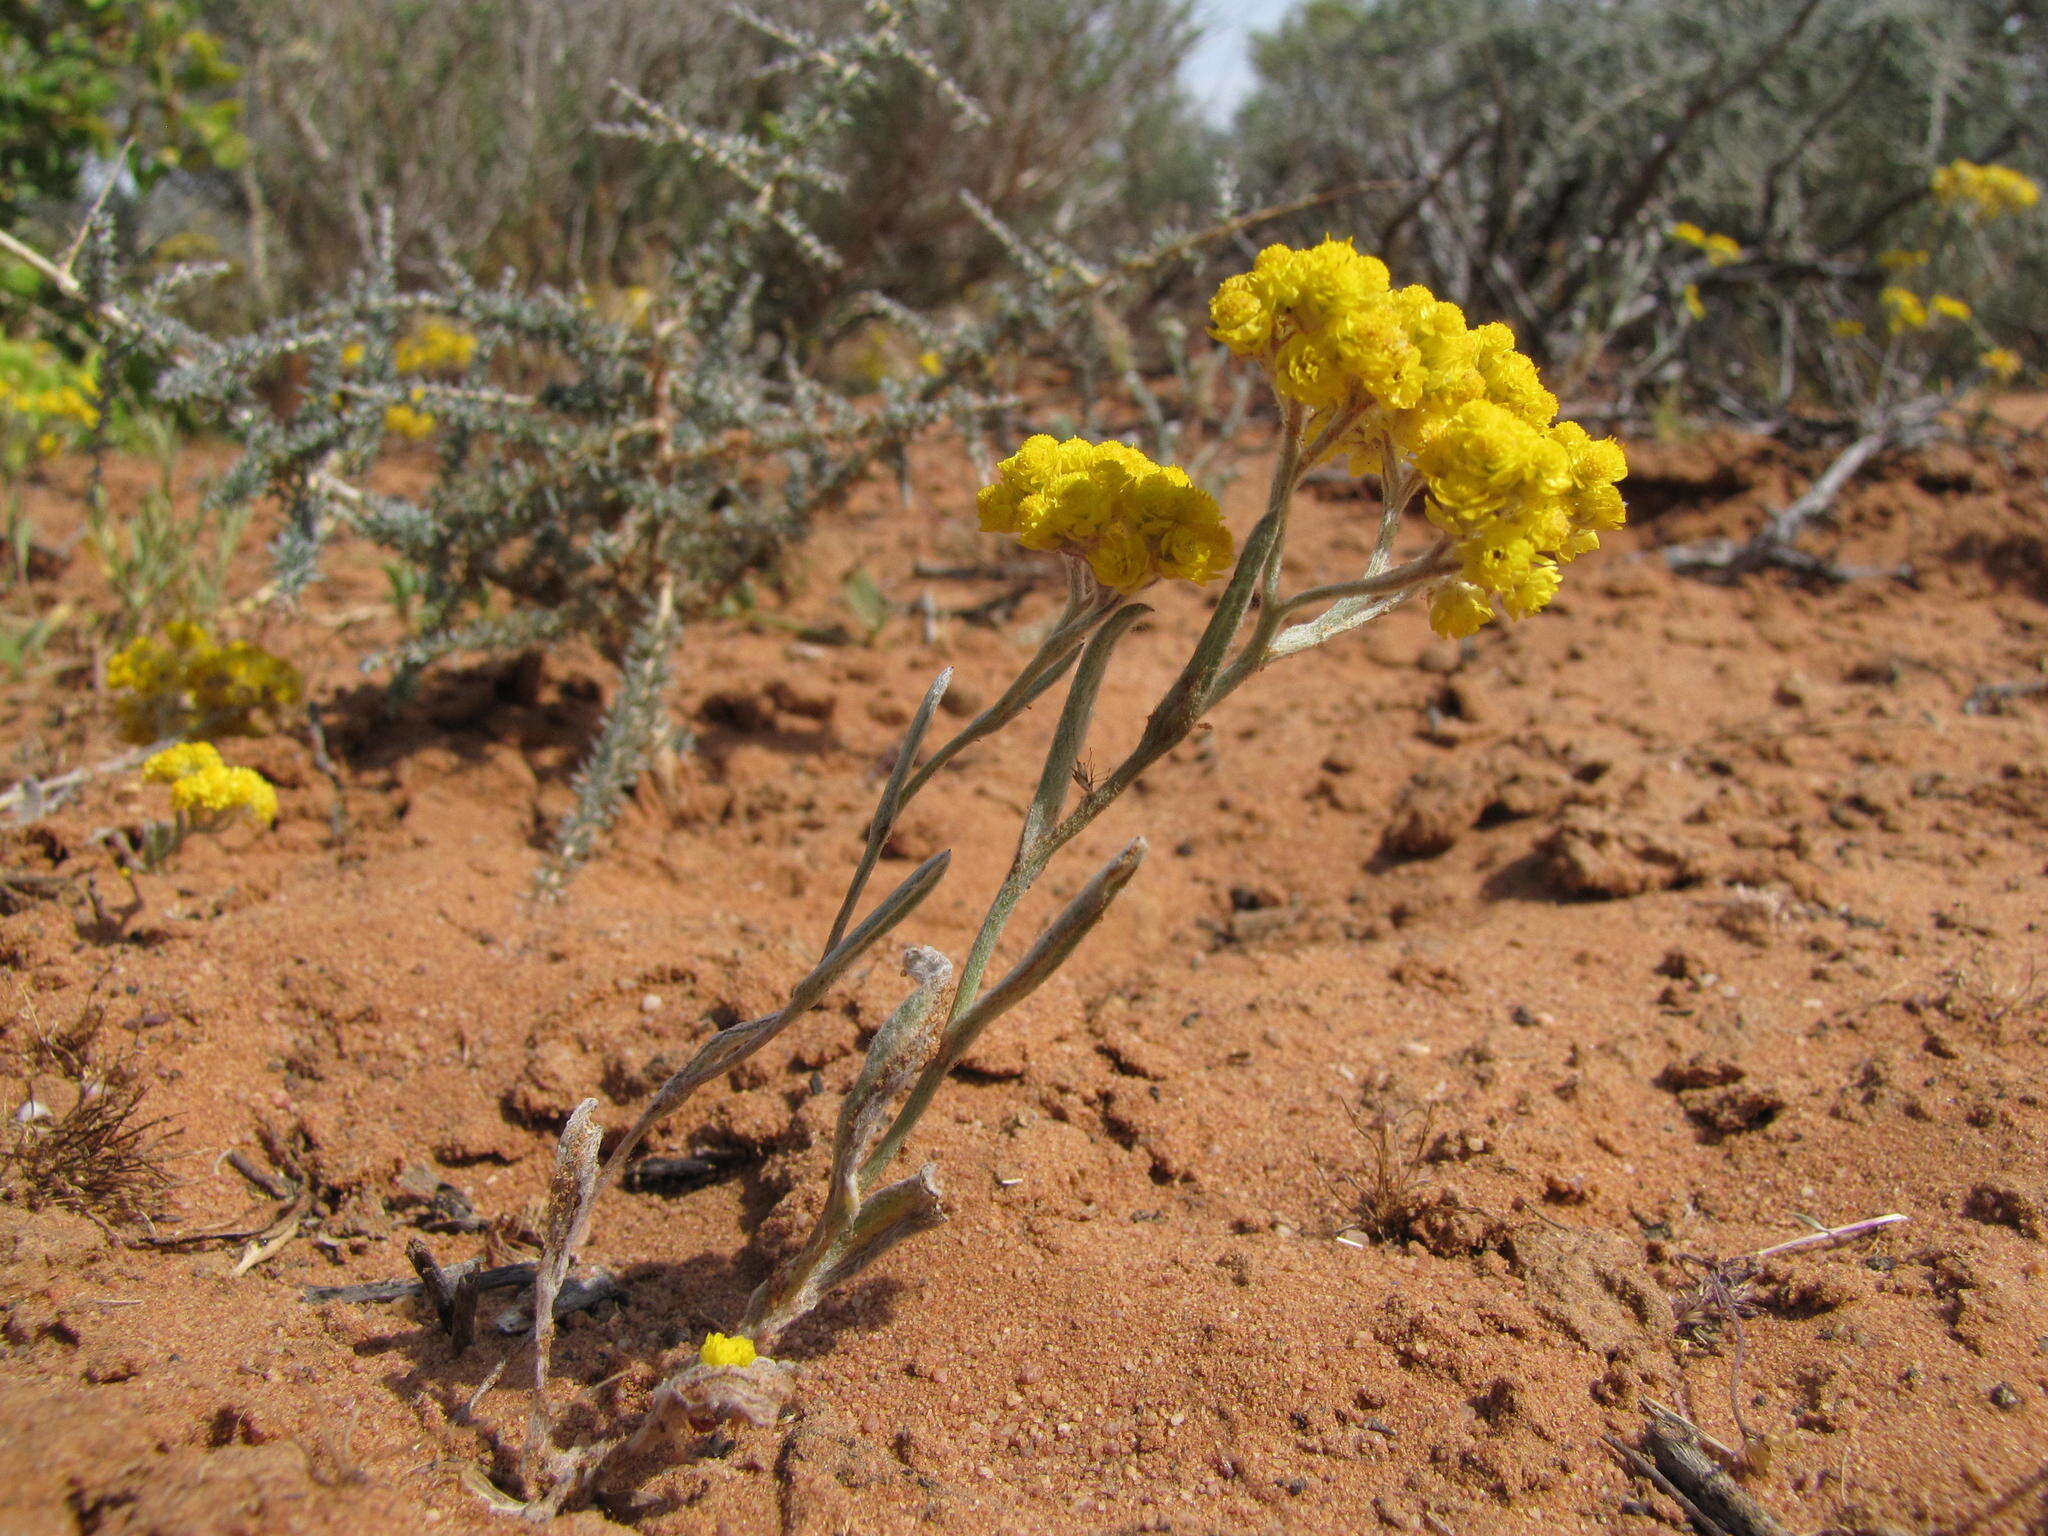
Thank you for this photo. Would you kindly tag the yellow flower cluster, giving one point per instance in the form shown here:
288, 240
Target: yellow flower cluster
725, 1349
1695, 306
2000, 362
43, 396
1982, 192
435, 347
59, 402
405, 419
184, 684
1905, 310
1847, 329
206, 789
1398, 372
1132, 520
1720, 250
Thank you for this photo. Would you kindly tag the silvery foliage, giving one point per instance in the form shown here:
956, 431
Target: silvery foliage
670, 452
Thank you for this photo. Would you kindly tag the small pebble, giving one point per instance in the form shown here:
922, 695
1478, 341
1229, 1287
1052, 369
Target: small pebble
651, 1003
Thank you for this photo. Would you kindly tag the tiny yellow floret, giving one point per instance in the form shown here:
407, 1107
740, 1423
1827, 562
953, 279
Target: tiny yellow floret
1695, 306
1949, 307
726, 1349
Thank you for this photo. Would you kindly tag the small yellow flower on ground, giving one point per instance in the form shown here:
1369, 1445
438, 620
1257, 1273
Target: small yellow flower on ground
724, 1349
220, 790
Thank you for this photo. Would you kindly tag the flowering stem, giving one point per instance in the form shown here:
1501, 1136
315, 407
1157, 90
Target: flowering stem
1055, 653
1035, 846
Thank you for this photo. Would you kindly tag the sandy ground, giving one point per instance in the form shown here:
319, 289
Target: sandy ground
1647, 932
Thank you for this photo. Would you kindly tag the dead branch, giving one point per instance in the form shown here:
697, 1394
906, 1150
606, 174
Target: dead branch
1775, 544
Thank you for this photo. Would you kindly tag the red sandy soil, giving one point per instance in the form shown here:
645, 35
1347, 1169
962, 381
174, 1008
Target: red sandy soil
1678, 915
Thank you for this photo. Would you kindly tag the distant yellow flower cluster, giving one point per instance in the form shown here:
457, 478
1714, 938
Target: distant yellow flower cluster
1720, 250
1905, 310
1982, 192
405, 418
434, 347
185, 685
1130, 519
1397, 373
205, 790
2000, 362
1902, 260
44, 396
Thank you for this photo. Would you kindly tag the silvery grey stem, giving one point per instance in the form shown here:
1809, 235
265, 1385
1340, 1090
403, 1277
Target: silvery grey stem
889, 806
571, 1189
848, 1223
1087, 605
1059, 940
729, 1047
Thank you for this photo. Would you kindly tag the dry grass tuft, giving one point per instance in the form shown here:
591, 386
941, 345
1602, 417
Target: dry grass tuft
1391, 1186
77, 1138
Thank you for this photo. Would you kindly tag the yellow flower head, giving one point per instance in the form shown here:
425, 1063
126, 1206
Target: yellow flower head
1694, 304
435, 347
1132, 520
1391, 374
352, 355
2001, 362
408, 421
1901, 261
1904, 310
1983, 192
1949, 307
218, 791
183, 684
1720, 250
724, 1349
1847, 329
174, 763
1518, 502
